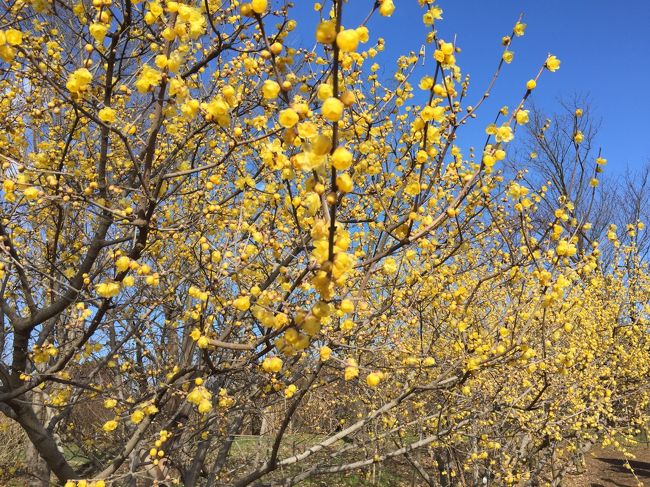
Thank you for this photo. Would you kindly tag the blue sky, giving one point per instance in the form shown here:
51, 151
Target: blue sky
604, 47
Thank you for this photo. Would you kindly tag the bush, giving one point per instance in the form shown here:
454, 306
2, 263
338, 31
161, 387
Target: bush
208, 231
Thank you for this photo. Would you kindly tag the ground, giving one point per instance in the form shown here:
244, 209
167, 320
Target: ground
606, 468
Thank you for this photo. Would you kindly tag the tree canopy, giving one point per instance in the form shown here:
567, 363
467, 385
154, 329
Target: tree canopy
209, 230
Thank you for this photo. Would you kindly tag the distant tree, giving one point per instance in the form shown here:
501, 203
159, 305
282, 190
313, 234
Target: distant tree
574, 171
558, 152
633, 209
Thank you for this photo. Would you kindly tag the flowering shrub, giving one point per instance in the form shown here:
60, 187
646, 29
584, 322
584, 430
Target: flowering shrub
203, 225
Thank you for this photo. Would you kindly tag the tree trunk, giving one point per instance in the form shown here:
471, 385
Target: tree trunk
37, 469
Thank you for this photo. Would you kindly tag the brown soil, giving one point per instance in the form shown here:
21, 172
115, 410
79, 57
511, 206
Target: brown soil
607, 467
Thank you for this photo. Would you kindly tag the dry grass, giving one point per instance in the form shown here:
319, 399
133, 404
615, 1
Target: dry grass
12, 453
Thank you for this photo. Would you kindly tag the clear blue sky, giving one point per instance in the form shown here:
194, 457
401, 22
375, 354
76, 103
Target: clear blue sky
604, 47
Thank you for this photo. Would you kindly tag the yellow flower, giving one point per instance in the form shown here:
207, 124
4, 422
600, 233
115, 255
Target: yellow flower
42, 354
110, 403
137, 416
435, 13
122, 263
326, 32
290, 391
517, 191
352, 370
229, 92
386, 8
519, 29
321, 144
217, 110
178, 88
98, 31
531, 84
198, 394
205, 407
421, 157
196, 334
432, 113
79, 81
288, 118
565, 249
31, 193
190, 108
363, 33
225, 401
390, 266
150, 409
445, 55
552, 64
259, 6
14, 37
148, 78
108, 289
332, 109
347, 40
508, 56
341, 158
413, 188
522, 117
109, 425
504, 133
324, 91
8, 186
347, 306
325, 353
344, 183
7, 53
156, 9
107, 115
242, 303
272, 364
202, 342
270, 89
373, 379
347, 325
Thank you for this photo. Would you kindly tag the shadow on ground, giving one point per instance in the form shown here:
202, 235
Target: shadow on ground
608, 468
